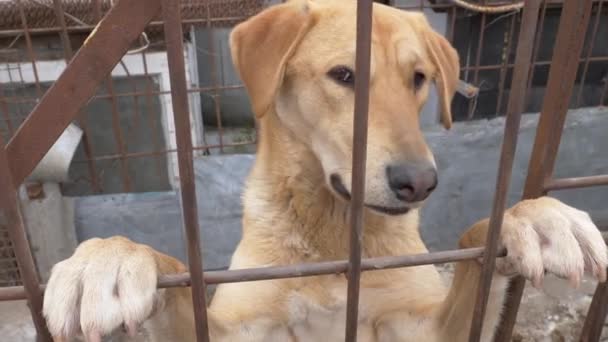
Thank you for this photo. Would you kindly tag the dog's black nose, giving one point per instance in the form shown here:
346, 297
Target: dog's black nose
412, 182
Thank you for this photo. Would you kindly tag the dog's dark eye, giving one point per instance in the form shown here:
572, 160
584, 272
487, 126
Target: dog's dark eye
343, 75
419, 79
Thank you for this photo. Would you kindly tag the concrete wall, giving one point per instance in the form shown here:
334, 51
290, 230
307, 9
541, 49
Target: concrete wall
467, 158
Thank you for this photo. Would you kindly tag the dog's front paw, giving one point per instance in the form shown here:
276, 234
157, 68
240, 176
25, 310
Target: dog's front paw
106, 284
545, 235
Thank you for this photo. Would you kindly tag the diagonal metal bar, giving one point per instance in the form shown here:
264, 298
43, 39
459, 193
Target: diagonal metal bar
562, 75
77, 84
515, 107
362, 66
594, 323
181, 112
10, 205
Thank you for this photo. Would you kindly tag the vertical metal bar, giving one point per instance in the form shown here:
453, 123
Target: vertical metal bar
605, 92
10, 204
152, 121
211, 58
136, 117
452, 20
562, 75
82, 122
120, 143
6, 112
515, 107
596, 26
117, 131
505, 68
482, 31
539, 34
362, 65
179, 94
30, 48
594, 323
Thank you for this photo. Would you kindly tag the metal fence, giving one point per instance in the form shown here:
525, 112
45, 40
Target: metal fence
104, 49
38, 35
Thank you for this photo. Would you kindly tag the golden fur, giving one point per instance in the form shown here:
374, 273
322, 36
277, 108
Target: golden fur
292, 214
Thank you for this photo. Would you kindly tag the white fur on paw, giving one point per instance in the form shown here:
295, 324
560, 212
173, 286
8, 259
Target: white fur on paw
105, 285
545, 235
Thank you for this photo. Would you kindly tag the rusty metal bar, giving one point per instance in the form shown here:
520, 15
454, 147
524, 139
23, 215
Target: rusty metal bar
10, 204
362, 65
6, 113
181, 112
299, 270
164, 151
30, 48
151, 110
575, 182
118, 137
539, 35
515, 107
596, 316
605, 92
14, 99
77, 84
562, 75
81, 118
503, 70
596, 26
482, 31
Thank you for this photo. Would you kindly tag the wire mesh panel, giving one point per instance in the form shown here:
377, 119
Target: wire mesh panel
9, 270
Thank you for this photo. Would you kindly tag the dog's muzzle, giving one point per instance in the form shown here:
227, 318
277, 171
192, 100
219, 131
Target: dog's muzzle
338, 186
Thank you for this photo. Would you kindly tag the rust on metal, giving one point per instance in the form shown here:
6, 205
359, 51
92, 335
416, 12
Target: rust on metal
596, 316
298, 270
575, 182
152, 121
30, 48
515, 107
10, 208
77, 84
503, 71
568, 46
181, 113
68, 53
591, 44
482, 31
362, 65
118, 136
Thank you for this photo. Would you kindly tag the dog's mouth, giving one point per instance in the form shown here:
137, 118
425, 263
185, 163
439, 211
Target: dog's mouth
340, 189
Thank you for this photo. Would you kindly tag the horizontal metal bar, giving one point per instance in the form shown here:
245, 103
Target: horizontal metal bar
575, 182
298, 270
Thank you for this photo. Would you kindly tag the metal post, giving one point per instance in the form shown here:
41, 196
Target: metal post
515, 107
10, 204
562, 75
179, 94
362, 65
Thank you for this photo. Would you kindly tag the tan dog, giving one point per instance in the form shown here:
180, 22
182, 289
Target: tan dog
296, 60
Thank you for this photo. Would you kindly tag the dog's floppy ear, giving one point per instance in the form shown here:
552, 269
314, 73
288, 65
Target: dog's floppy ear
262, 45
445, 58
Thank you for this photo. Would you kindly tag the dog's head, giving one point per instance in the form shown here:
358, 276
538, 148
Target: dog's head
297, 62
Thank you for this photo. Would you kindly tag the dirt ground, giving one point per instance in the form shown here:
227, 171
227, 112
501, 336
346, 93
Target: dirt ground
555, 314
